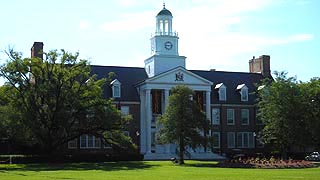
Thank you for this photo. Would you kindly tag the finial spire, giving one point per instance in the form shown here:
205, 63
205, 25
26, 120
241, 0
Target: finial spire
164, 5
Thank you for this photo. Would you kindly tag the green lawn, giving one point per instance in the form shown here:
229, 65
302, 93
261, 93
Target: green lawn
149, 170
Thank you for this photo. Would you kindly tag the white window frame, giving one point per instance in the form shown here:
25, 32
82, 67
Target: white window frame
93, 141
222, 91
116, 84
215, 116
230, 110
244, 94
245, 140
214, 134
233, 143
248, 116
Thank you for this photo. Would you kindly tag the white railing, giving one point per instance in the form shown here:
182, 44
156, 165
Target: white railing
166, 34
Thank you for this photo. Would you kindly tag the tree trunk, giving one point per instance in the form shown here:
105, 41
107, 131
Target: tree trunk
181, 151
284, 154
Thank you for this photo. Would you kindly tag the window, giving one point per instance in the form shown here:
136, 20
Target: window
116, 91
116, 88
245, 140
216, 139
156, 96
215, 116
230, 116
73, 144
124, 110
222, 90
243, 90
244, 95
244, 116
222, 94
231, 139
89, 141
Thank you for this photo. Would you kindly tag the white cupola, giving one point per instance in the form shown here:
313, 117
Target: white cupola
164, 46
164, 22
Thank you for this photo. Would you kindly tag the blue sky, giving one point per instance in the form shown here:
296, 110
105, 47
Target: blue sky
214, 34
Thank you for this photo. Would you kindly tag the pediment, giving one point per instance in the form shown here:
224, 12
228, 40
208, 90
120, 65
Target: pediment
178, 75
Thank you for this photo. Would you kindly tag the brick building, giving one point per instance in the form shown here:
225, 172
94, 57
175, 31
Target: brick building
228, 98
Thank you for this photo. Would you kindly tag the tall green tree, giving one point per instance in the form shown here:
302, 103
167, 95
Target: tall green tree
183, 122
11, 128
311, 102
282, 110
57, 99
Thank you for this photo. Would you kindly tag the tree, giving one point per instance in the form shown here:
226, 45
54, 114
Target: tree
11, 129
283, 113
183, 122
311, 102
57, 99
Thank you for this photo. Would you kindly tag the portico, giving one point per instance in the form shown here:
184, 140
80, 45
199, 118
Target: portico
154, 95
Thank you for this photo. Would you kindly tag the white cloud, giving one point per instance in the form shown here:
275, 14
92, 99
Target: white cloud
222, 51
129, 22
300, 37
207, 30
83, 24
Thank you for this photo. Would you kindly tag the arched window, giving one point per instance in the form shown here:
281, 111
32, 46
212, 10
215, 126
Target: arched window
243, 90
116, 88
222, 90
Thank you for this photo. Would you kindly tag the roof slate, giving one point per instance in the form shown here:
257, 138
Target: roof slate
130, 76
231, 80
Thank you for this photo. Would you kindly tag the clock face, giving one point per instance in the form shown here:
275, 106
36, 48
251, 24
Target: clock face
168, 45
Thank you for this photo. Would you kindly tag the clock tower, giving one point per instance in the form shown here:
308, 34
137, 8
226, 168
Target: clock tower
164, 46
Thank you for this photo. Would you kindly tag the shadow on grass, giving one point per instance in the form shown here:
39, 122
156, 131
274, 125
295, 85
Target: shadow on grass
203, 164
106, 166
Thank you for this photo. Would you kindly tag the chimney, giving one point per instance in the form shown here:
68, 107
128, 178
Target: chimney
37, 50
260, 65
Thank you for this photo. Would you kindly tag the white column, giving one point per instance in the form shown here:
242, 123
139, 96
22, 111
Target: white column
208, 105
166, 98
166, 102
143, 126
148, 120
158, 26
164, 27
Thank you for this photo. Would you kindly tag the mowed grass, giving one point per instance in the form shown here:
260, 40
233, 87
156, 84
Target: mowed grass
149, 170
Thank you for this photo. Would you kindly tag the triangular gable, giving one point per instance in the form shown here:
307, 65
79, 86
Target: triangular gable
179, 75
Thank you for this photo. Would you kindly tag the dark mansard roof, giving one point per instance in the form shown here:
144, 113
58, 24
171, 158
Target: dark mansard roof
131, 76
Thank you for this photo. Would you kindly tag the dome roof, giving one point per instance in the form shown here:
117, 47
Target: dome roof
164, 11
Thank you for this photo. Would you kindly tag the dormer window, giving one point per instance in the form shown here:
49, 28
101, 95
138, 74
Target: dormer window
222, 90
116, 88
243, 90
